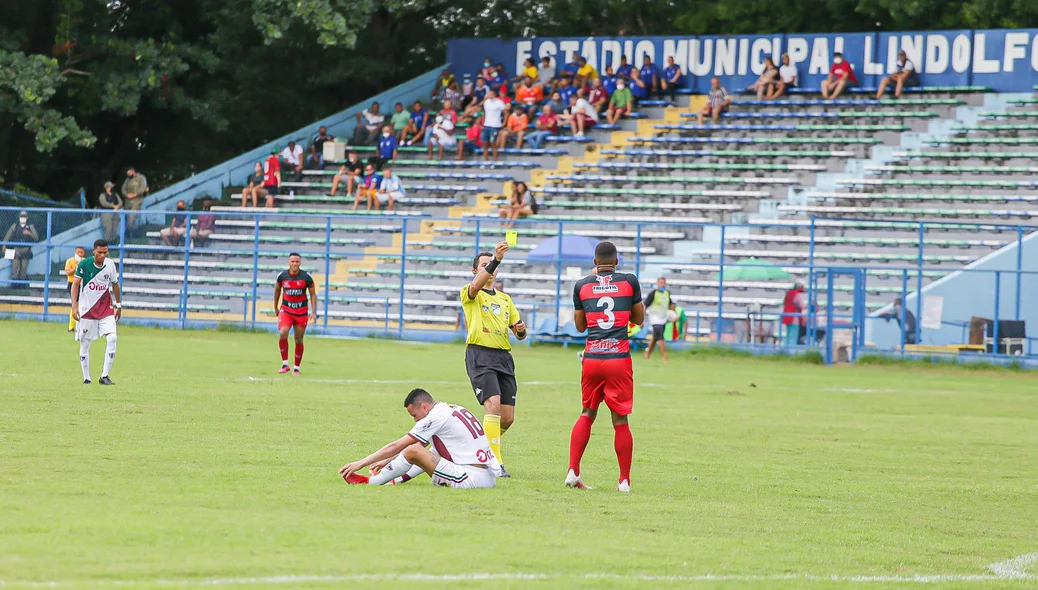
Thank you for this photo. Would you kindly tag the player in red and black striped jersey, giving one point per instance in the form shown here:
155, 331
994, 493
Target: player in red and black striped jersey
291, 290
603, 304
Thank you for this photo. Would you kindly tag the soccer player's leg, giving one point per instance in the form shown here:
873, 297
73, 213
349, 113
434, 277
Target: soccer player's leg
592, 393
299, 331
485, 385
619, 398
401, 467
285, 323
106, 327
86, 333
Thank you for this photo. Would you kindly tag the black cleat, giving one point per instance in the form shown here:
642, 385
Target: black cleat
504, 473
86, 382
106, 381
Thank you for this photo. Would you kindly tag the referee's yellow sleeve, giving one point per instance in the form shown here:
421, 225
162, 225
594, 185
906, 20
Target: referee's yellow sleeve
513, 312
465, 294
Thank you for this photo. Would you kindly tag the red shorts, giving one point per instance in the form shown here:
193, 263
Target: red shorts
588, 121
609, 380
287, 320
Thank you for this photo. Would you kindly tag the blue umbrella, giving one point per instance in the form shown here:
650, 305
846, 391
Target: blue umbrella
575, 250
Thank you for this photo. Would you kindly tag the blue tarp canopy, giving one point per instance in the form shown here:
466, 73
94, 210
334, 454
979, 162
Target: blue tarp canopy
575, 250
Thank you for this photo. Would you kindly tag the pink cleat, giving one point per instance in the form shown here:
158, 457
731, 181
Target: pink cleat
284, 369
356, 479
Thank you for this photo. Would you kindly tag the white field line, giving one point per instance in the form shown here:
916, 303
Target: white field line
1012, 569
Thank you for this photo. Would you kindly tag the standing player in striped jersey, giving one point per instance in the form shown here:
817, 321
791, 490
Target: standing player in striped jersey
604, 303
96, 281
291, 290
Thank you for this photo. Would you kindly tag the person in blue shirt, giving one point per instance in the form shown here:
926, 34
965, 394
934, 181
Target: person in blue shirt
569, 70
367, 188
650, 74
387, 148
417, 125
499, 78
639, 88
566, 90
609, 81
625, 69
480, 91
672, 79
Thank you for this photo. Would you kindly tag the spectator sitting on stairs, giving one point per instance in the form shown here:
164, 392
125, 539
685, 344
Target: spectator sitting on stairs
521, 204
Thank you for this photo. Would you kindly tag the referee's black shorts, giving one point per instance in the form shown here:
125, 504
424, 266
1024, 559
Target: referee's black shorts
491, 372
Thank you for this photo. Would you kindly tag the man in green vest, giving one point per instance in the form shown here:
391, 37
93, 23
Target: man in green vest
657, 304
676, 330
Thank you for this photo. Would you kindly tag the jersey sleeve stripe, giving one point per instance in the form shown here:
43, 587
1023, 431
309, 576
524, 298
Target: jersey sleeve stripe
417, 438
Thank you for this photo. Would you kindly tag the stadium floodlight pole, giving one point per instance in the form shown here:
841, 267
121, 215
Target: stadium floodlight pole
46, 278
1019, 267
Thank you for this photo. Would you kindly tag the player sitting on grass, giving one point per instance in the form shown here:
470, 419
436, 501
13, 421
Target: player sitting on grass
463, 458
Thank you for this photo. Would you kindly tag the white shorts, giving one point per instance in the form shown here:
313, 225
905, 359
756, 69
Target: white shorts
384, 197
449, 475
91, 330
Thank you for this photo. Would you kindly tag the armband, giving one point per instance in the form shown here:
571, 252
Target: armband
492, 265
117, 305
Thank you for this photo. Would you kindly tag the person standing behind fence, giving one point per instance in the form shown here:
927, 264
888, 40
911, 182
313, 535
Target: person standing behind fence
22, 231
110, 200
134, 189
791, 313
70, 272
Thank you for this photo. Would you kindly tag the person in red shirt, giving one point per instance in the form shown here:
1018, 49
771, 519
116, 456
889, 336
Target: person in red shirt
598, 97
473, 139
841, 75
290, 292
272, 176
603, 305
547, 124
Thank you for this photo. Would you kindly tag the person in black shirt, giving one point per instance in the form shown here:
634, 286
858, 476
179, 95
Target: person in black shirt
316, 157
352, 170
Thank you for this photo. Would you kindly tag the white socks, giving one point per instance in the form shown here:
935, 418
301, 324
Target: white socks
84, 358
109, 355
397, 467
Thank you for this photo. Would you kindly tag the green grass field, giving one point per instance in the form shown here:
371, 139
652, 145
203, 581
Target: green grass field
203, 467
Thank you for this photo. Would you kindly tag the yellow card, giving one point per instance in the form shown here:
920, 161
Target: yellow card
512, 238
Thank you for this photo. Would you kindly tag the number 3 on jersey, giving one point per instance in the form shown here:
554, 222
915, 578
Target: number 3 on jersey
610, 321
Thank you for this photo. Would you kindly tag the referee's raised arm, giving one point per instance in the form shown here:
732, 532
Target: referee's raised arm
486, 273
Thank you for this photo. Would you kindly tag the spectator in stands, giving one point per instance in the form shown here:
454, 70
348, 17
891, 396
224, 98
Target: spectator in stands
109, 199
609, 81
597, 96
582, 115
568, 71
639, 88
450, 119
401, 117
528, 96
489, 71
500, 79
841, 75
417, 124
585, 74
467, 87
389, 190
272, 177
369, 122
672, 79
473, 139
716, 102
788, 78
442, 136
556, 103
908, 327
521, 204
624, 71
546, 75
793, 305
566, 90
316, 157
902, 76
650, 75
176, 230
547, 124
444, 81
515, 128
767, 80
529, 71
493, 122
621, 103
24, 232
206, 224
254, 186
351, 171
134, 189
368, 187
292, 159
387, 148
479, 94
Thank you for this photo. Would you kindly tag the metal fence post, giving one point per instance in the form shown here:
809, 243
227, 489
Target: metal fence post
478, 234
904, 306
122, 242
558, 276
1019, 267
187, 263
919, 286
327, 268
998, 305
812, 287
46, 267
720, 288
403, 276
255, 265
638, 249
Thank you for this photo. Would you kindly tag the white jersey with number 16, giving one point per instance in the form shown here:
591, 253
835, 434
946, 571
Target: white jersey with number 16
456, 434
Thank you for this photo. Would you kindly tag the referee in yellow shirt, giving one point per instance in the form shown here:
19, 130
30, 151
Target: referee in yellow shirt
490, 315
70, 273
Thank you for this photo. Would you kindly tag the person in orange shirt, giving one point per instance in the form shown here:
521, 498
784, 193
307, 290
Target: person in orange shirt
70, 272
528, 95
515, 127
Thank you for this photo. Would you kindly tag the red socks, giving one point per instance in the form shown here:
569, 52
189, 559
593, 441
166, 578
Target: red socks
299, 352
578, 440
623, 443
283, 345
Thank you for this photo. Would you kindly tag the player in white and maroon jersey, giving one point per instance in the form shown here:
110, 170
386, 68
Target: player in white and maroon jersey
462, 457
97, 306
603, 304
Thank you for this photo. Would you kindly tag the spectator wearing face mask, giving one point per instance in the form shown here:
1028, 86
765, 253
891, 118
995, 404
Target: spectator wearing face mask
70, 273
351, 171
387, 148
23, 231
621, 103
841, 75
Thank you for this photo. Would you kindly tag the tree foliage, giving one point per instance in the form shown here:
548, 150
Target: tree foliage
88, 87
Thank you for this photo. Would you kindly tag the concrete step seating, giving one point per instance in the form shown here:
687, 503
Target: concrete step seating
973, 182
733, 154
852, 257
641, 192
864, 241
546, 217
908, 211
421, 149
965, 155
604, 232
953, 169
634, 179
63, 300
842, 103
269, 239
923, 197
425, 175
982, 141
432, 188
793, 128
666, 166
890, 114
762, 140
